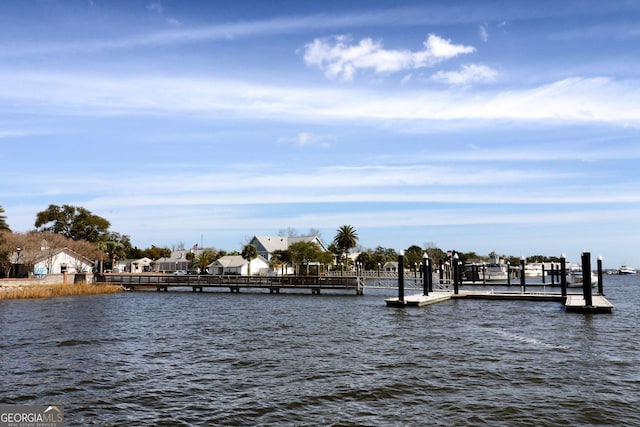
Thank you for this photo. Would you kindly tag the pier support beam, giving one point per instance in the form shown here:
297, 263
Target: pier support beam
456, 274
425, 275
401, 276
586, 278
600, 284
523, 287
563, 275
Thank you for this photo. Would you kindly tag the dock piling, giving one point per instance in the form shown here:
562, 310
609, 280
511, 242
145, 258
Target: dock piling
401, 276
455, 274
563, 275
425, 275
600, 284
523, 288
586, 279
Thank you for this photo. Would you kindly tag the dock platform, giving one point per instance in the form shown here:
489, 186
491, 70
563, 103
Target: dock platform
575, 303
572, 302
419, 300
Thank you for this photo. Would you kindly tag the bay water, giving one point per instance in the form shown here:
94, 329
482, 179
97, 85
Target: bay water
216, 358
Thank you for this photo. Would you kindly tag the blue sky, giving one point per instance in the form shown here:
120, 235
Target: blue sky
477, 126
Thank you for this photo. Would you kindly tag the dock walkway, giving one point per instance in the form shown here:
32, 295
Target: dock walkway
162, 282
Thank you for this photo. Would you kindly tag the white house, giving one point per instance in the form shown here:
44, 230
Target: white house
235, 264
59, 261
267, 245
141, 265
177, 261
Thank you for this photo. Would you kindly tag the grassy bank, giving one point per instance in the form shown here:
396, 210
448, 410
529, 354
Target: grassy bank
56, 290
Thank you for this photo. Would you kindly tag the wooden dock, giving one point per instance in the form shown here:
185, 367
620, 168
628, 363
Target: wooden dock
599, 304
572, 302
197, 283
419, 300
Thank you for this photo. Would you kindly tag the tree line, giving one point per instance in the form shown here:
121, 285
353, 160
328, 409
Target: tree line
89, 235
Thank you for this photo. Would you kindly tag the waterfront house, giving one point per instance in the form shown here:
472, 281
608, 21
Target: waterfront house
236, 265
178, 261
59, 261
267, 245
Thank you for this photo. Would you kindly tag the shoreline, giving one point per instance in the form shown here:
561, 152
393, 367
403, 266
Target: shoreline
36, 291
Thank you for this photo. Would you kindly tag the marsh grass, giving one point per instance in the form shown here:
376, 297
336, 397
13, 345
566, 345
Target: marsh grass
56, 290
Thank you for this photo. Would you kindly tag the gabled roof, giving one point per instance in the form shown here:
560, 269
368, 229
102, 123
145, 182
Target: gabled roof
56, 252
230, 261
274, 243
233, 261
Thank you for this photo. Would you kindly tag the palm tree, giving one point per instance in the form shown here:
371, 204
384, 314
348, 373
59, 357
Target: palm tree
346, 238
249, 253
3, 221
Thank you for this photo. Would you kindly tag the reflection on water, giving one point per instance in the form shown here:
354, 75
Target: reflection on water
183, 358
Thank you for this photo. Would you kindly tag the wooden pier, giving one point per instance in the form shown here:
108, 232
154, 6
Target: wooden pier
197, 283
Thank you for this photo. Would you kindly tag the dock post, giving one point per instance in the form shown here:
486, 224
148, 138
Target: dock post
543, 282
600, 284
563, 275
586, 278
553, 279
441, 271
484, 273
425, 280
430, 274
401, 276
523, 288
509, 273
455, 274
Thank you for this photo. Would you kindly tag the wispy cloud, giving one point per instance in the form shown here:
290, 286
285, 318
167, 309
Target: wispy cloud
472, 73
340, 59
304, 139
567, 100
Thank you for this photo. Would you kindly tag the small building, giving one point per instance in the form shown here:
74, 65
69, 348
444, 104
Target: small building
142, 265
390, 267
236, 265
59, 261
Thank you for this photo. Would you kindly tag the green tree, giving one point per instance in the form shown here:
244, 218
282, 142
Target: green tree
304, 253
74, 222
249, 253
206, 257
413, 256
3, 221
346, 238
115, 247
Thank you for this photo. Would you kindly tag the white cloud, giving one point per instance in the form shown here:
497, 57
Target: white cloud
340, 59
483, 32
468, 74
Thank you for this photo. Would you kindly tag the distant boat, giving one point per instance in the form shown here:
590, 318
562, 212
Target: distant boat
575, 275
625, 269
495, 271
533, 270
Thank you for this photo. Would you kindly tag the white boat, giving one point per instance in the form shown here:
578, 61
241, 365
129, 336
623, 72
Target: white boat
533, 270
575, 275
625, 269
495, 271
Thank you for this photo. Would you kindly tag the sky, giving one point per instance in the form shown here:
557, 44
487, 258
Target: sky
477, 126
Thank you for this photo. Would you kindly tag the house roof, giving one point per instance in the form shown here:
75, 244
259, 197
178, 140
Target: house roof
274, 243
56, 252
233, 261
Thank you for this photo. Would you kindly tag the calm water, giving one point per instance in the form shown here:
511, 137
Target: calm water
179, 358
